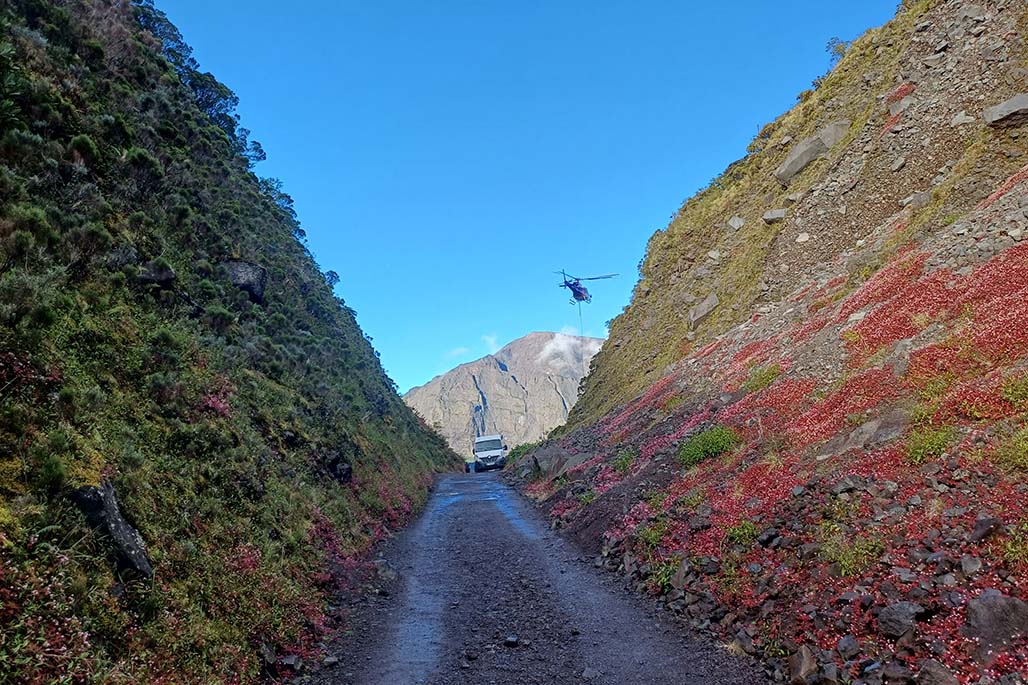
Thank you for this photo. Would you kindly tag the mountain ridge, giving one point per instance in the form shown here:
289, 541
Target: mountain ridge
523, 390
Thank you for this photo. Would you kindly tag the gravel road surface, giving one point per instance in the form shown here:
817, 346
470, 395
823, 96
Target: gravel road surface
487, 593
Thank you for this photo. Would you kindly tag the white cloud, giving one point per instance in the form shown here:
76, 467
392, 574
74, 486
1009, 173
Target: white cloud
458, 352
565, 350
491, 344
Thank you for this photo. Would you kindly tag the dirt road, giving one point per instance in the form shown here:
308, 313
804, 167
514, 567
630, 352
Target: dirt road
488, 594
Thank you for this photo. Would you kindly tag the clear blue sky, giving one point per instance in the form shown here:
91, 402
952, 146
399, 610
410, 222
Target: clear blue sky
447, 157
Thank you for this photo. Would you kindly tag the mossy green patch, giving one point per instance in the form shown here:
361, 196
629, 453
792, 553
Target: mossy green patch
928, 442
709, 443
762, 377
1012, 452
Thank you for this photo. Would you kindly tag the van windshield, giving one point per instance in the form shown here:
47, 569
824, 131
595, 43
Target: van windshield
487, 445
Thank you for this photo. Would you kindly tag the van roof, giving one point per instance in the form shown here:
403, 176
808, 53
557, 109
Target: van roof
488, 437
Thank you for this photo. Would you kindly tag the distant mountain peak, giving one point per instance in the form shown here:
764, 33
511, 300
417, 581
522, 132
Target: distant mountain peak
524, 390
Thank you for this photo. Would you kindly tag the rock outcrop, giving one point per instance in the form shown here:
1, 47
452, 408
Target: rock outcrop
100, 507
523, 391
811, 149
249, 277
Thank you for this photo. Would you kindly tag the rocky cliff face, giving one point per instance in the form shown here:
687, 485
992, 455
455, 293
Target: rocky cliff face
807, 433
523, 391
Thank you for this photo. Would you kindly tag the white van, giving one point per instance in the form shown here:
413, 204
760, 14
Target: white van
489, 452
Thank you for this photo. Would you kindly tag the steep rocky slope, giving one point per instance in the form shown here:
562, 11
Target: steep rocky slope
523, 391
807, 432
196, 441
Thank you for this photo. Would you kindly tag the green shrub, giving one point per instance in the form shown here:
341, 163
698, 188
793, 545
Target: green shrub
67, 401
655, 499
743, 533
712, 442
762, 377
852, 554
21, 244
84, 147
672, 403
219, 318
1015, 547
652, 534
624, 460
51, 472
587, 497
663, 572
928, 442
31, 219
144, 163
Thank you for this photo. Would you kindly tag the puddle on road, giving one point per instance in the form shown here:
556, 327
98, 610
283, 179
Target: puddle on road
470, 489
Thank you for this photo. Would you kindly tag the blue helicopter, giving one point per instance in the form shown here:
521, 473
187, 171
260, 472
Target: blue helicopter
574, 284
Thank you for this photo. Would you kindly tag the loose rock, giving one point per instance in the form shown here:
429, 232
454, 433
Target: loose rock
1012, 112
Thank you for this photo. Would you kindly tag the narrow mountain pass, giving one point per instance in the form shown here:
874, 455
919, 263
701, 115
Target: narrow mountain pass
487, 593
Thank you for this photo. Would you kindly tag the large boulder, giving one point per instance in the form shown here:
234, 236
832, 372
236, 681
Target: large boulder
701, 311
550, 460
935, 673
897, 619
993, 621
802, 666
573, 461
247, 276
100, 507
1012, 112
339, 468
810, 149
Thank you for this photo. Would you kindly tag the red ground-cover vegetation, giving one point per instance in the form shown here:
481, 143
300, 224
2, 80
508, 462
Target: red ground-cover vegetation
856, 396
772, 533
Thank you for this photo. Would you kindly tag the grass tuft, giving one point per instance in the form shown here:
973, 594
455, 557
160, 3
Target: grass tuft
852, 554
928, 442
762, 377
624, 460
712, 442
1013, 452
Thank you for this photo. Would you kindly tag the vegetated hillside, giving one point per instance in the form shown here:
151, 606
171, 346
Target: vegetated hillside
824, 455
196, 440
523, 391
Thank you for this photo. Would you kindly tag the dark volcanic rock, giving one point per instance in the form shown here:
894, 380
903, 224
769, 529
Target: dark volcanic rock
896, 619
247, 276
983, 528
934, 673
802, 666
339, 468
100, 507
848, 647
994, 619
154, 273
550, 459
897, 673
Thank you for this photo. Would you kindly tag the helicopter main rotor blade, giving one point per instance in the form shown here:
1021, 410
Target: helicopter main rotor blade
597, 278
